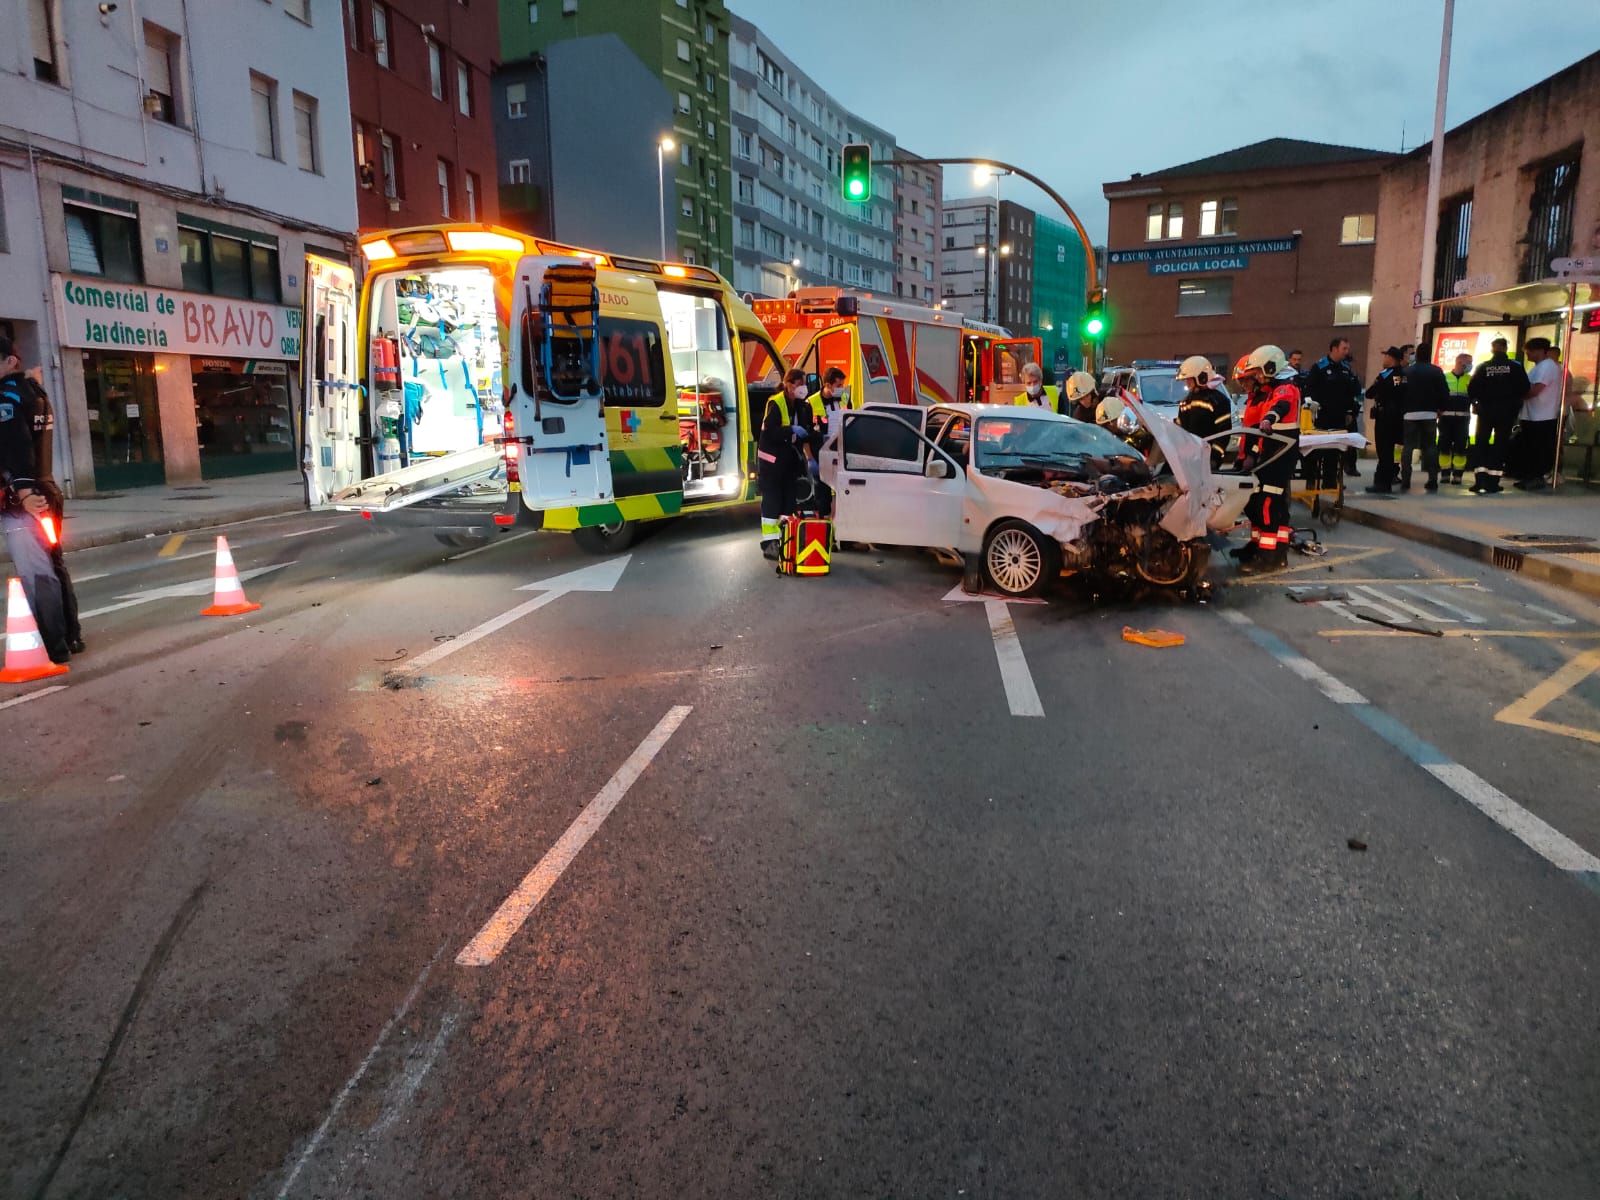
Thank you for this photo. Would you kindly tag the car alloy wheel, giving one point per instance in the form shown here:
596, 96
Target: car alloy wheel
1015, 561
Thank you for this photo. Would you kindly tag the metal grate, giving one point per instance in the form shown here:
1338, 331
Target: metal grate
1549, 217
1542, 539
1450, 262
1508, 560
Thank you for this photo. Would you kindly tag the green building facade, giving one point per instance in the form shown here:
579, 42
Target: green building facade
1060, 286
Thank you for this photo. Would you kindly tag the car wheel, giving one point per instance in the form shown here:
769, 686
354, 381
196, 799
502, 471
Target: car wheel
606, 539
1018, 560
462, 541
1164, 560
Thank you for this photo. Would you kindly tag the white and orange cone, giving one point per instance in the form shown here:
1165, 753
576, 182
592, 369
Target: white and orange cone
227, 597
26, 657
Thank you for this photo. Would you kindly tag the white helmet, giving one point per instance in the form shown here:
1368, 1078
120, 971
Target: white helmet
1079, 385
1268, 360
1198, 368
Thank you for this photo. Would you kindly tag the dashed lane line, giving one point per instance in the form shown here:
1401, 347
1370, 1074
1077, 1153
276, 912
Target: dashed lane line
1539, 836
42, 692
172, 545
515, 537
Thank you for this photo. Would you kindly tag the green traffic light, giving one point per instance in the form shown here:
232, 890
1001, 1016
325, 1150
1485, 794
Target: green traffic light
857, 187
1094, 327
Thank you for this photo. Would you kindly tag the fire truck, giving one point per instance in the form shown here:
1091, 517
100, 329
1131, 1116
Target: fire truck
992, 362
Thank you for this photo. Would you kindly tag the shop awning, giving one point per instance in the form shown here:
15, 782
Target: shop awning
1527, 299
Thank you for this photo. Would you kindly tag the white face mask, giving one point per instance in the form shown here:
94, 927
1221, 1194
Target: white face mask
1035, 389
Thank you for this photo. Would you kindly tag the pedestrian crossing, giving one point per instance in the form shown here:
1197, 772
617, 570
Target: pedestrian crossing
1434, 605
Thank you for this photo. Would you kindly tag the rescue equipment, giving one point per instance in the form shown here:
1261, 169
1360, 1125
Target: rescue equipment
804, 545
26, 657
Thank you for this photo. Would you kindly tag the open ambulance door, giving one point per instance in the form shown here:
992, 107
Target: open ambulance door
1007, 357
330, 383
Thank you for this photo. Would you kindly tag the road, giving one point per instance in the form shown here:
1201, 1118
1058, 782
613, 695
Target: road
677, 878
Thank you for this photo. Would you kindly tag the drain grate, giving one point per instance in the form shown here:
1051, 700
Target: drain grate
208, 496
1568, 546
1546, 539
1508, 560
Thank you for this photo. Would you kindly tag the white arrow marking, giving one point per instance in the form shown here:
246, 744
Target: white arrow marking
1021, 695
199, 587
602, 577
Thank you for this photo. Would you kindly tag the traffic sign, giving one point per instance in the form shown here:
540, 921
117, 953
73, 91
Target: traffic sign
1582, 267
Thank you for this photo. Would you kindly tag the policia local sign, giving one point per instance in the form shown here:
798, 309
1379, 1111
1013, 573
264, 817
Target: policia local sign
1201, 257
94, 314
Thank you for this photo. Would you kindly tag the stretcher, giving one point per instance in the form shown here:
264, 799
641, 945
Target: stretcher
1326, 504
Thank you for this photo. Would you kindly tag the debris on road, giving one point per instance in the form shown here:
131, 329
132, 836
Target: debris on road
1402, 626
375, 781
1316, 593
1355, 843
1159, 638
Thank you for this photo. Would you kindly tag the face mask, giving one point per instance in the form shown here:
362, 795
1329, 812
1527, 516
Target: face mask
1035, 389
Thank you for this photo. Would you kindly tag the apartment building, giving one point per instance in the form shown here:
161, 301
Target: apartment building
918, 202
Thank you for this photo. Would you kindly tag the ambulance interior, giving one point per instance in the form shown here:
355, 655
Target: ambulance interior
435, 367
708, 397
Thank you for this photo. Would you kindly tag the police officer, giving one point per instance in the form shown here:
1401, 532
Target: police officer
1083, 398
26, 499
1497, 391
1454, 420
1205, 409
828, 404
1336, 389
1272, 407
783, 454
1388, 396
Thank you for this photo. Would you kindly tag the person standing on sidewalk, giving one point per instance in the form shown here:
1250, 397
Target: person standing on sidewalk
1426, 396
1454, 420
1535, 456
1497, 391
1336, 390
1388, 396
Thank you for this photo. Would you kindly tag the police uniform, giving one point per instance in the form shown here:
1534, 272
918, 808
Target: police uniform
1204, 412
31, 553
1497, 391
779, 463
1275, 406
1336, 389
1388, 395
1454, 422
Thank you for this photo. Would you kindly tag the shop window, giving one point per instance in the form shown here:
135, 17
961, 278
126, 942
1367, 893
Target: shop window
161, 72
380, 34
46, 52
1351, 310
264, 104
470, 187
230, 268
516, 101
1359, 229
193, 257
464, 89
305, 133
1211, 296
264, 282
124, 419
103, 243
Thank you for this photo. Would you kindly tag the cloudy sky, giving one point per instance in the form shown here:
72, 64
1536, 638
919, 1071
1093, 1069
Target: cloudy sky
1081, 93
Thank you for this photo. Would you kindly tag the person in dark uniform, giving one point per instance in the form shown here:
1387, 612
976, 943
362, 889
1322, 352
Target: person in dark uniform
1388, 396
1205, 410
1336, 389
1082, 397
783, 454
1498, 388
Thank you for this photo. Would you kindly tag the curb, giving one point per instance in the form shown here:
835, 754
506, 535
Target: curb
1506, 558
167, 526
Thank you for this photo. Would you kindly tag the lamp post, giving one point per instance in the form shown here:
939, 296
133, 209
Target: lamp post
663, 147
982, 175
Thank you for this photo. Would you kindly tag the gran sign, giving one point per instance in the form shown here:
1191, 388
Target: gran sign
1198, 258
93, 314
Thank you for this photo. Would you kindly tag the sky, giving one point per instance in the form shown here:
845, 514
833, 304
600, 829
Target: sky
1085, 93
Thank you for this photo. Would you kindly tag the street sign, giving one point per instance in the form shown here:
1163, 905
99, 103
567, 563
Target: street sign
1575, 266
1472, 285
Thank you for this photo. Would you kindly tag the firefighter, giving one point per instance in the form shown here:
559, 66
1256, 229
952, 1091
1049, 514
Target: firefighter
828, 404
783, 451
1206, 409
1034, 391
1454, 420
1498, 388
1388, 396
1083, 398
1272, 407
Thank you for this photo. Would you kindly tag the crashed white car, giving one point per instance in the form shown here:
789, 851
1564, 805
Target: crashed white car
1025, 495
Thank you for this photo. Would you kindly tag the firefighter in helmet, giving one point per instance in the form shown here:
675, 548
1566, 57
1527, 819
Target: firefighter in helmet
1206, 408
1272, 406
1083, 397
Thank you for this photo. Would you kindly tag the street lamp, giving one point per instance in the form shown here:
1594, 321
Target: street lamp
664, 147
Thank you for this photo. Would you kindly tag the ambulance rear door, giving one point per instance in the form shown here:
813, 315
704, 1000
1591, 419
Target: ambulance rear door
1007, 357
330, 383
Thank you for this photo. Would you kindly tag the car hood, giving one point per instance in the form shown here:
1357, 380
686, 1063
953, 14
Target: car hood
1189, 457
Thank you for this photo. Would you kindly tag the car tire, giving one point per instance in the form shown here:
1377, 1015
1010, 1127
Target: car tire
606, 539
1176, 558
1018, 560
462, 541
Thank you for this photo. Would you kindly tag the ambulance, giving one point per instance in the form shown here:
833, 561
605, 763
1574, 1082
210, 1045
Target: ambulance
479, 379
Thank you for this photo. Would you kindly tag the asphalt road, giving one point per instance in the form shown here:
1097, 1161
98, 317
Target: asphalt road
1297, 909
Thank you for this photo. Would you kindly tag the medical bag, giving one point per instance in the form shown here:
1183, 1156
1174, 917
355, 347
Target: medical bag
804, 545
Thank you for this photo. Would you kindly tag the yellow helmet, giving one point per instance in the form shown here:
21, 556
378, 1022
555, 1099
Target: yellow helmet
1268, 360
1079, 385
1198, 368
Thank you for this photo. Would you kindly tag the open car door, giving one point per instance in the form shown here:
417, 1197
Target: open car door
330, 384
892, 487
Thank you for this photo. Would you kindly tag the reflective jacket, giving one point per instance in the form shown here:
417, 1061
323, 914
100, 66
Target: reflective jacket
1278, 405
1457, 404
775, 448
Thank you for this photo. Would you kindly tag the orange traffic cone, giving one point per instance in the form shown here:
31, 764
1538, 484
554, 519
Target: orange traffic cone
227, 598
26, 658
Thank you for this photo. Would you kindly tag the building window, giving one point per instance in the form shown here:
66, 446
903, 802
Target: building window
380, 33
517, 101
949, 218
683, 102
683, 154
389, 161
161, 60
1450, 256
688, 208
364, 176
569, 8
300, 10
533, 12
1550, 217
747, 234
470, 184
949, 243
435, 69
1219, 217
1152, 222
711, 35
42, 19
305, 132
264, 104
1210, 296
1351, 310
683, 50
352, 24
1359, 229
464, 89
224, 265
104, 243
745, 145
521, 170
444, 189
1175, 220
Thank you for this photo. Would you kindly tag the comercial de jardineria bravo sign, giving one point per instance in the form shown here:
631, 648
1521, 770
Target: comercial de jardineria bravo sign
96, 315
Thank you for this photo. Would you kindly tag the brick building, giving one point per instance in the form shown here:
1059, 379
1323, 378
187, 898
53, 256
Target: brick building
1272, 242
419, 106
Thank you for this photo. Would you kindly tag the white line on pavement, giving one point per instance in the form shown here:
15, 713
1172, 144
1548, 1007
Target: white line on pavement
1432, 598
1420, 614
1537, 835
15, 700
1302, 666
1020, 692
445, 649
510, 916
491, 545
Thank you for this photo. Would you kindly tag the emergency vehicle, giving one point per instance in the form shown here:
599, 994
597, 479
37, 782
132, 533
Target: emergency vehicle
992, 362
479, 378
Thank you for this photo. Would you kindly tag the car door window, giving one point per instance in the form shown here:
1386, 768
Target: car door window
879, 442
955, 439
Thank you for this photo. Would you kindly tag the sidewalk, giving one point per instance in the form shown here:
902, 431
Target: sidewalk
1549, 536
152, 512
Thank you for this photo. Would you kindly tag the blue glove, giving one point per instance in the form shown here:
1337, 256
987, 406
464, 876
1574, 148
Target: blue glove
813, 466
799, 431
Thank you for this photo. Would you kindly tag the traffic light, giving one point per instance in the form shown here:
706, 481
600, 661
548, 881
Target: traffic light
856, 172
1094, 317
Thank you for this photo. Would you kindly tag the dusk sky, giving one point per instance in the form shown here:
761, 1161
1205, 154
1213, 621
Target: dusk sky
1083, 93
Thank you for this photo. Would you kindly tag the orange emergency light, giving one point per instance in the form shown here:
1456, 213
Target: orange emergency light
50, 533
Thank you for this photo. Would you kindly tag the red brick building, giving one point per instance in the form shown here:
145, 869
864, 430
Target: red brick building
419, 104
1273, 242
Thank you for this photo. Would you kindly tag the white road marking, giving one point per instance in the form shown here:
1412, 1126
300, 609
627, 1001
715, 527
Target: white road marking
15, 700
198, 587
1302, 666
1554, 618
1432, 597
1420, 614
1537, 835
510, 916
501, 541
1014, 673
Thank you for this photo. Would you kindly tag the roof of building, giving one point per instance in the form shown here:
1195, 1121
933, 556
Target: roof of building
1274, 153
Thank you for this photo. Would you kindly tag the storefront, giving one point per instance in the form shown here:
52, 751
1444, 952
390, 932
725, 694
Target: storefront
179, 386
